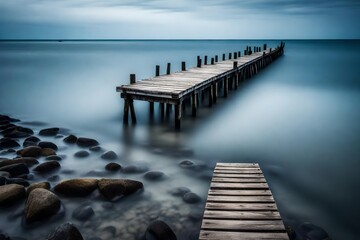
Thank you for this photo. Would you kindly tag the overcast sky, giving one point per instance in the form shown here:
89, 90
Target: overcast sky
179, 19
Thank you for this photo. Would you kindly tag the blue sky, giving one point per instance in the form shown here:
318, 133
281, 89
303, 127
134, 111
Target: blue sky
179, 19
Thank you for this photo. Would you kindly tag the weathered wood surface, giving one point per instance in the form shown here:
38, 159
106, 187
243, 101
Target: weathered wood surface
240, 205
179, 83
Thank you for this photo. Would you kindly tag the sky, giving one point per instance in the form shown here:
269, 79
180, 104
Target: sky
179, 19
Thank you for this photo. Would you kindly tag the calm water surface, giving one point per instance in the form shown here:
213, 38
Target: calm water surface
299, 118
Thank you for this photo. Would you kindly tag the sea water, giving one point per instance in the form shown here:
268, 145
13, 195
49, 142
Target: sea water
298, 118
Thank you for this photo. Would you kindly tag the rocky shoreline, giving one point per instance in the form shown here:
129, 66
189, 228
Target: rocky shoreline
32, 183
42, 200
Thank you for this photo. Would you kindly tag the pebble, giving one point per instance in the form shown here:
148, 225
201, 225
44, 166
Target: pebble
109, 155
154, 175
49, 131
113, 166
83, 213
82, 154
48, 145
191, 197
47, 167
71, 139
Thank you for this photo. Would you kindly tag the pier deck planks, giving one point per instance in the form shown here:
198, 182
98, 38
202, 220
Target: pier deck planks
240, 205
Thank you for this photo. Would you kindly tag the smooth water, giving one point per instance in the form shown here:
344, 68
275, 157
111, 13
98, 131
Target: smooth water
299, 118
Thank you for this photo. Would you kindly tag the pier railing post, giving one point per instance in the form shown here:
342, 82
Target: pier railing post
223, 57
235, 75
205, 60
212, 61
168, 105
168, 68
183, 66
235, 55
229, 56
216, 58
198, 62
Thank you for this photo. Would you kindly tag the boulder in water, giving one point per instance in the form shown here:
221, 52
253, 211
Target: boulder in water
44, 185
11, 193
49, 131
159, 230
15, 169
71, 139
47, 167
116, 188
86, 142
79, 187
109, 155
41, 204
66, 231
48, 145
32, 151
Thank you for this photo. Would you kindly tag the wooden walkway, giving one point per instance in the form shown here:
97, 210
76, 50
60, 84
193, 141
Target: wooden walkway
240, 205
206, 78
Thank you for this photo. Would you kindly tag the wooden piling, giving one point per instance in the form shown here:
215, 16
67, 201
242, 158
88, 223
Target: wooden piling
205, 60
229, 56
168, 68
226, 86
235, 55
183, 66
178, 109
194, 100
216, 58
223, 57
212, 61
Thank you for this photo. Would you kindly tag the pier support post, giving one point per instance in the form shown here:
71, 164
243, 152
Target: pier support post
212, 61
223, 58
132, 111
216, 58
226, 86
178, 108
126, 112
151, 109
198, 62
215, 90
229, 56
211, 97
194, 100
235, 55
205, 60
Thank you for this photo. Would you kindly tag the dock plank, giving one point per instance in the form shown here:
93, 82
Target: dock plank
240, 205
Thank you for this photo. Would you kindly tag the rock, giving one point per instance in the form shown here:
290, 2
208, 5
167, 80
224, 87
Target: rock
154, 175
17, 134
191, 197
18, 181
96, 173
28, 161
4, 174
109, 155
11, 193
159, 230
82, 154
29, 144
32, 139
117, 188
79, 187
66, 231
15, 169
47, 152
41, 204
187, 164
47, 167
2, 181
180, 191
95, 149
83, 213
8, 143
112, 166
44, 185
54, 178
49, 131
313, 232
71, 139
53, 157
86, 142
48, 145
4, 236
134, 169
32, 151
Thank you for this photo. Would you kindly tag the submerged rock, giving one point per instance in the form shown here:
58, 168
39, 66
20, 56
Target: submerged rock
32, 151
19, 181
8, 143
86, 142
109, 155
28, 161
79, 187
159, 230
48, 145
191, 197
47, 152
41, 204
11, 193
29, 144
83, 213
32, 139
15, 169
112, 166
71, 139
134, 169
47, 167
187, 164
66, 231
154, 175
95, 149
44, 185
82, 154
53, 157
49, 131
180, 191
117, 188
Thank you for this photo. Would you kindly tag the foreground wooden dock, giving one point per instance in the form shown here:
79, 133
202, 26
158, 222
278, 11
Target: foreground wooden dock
240, 205
206, 78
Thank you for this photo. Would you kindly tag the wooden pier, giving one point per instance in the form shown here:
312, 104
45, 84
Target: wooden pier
240, 205
206, 78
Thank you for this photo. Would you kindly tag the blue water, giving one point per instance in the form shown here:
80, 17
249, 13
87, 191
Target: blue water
299, 118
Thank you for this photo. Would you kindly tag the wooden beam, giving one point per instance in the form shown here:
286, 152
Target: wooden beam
194, 100
178, 109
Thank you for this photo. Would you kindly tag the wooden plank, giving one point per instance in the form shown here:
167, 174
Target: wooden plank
238, 180
253, 215
243, 225
241, 165
258, 192
237, 171
259, 199
220, 235
239, 185
234, 175
241, 206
